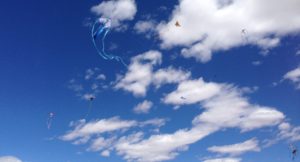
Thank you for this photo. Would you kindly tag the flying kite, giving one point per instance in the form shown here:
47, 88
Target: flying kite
294, 151
244, 34
49, 120
183, 98
100, 29
177, 24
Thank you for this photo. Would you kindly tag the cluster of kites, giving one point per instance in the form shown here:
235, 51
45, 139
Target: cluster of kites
100, 29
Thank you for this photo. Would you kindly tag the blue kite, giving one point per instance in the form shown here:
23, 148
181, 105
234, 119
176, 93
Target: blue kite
103, 26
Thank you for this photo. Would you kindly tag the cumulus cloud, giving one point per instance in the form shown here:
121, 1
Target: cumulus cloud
212, 25
143, 108
9, 159
141, 74
116, 10
293, 76
236, 149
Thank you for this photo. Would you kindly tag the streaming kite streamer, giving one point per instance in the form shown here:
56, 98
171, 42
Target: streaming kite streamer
103, 26
49, 120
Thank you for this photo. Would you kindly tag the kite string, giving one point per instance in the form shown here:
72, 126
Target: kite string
89, 110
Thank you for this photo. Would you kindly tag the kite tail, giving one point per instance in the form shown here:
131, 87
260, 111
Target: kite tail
103, 54
94, 35
49, 121
90, 108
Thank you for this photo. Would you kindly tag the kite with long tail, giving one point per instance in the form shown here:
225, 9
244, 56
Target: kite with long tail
100, 29
49, 120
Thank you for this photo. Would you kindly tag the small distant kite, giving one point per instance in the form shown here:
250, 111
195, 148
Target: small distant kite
294, 151
177, 24
244, 31
244, 34
100, 29
50, 119
183, 98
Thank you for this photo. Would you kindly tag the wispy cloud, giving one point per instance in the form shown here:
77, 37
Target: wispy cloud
104, 134
224, 160
238, 148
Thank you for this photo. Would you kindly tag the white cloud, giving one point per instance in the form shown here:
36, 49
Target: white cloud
212, 25
218, 99
223, 160
9, 159
116, 10
194, 91
161, 147
294, 76
230, 109
103, 134
139, 75
143, 108
84, 130
237, 149
298, 53
169, 75
288, 132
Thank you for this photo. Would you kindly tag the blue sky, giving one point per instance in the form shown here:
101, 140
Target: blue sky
205, 91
